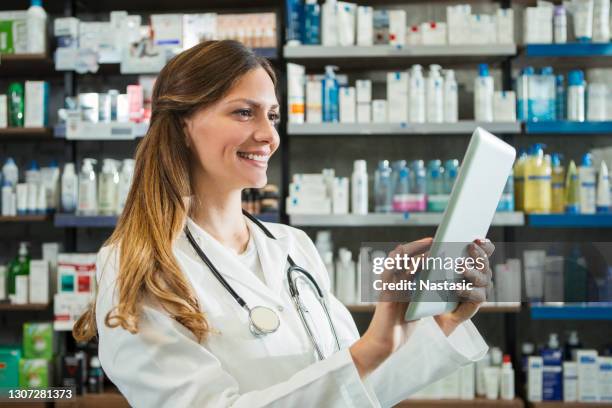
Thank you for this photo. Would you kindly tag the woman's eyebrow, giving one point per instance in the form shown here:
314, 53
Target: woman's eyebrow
251, 102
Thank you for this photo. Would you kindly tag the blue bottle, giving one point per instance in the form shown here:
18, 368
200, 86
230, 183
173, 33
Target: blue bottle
549, 92
436, 199
418, 186
401, 193
312, 23
560, 98
331, 112
293, 31
522, 93
396, 166
506, 202
552, 377
383, 192
451, 169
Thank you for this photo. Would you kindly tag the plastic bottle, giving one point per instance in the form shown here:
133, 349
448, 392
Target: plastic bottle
483, 95
572, 190
32, 178
312, 23
346, 277
10, 172
37, 27
558, 185
560, 25
519, 180
575, 277
416, 95
451, 97
108, 188
396, 166
586, 177
552, 356
575, 96
506, 202
436, 199
507, 379
16, 105
330, 95
383, 192
418, 179
293, 30
88, 197
401, 193
70, 188
603, 189
329, 23
541, 104
95, 380
9, 204
523, 94
527, 350
560, 98
571, 345
435, 95
451, 169
295, 92
359, 188
538, 174
549, 92
125, 182
20, 266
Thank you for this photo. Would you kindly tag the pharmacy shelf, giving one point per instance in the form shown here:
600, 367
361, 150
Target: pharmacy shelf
569, 220
302, 52
109, 221
473, 403
368, 308
26, 134
464, 127
109, 398
561, 404
568, 50
29, 307
24, 218
391, 219
590, 311
112, 131
568, 127
24, 65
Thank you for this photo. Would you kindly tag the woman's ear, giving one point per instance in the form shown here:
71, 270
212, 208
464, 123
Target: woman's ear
185, 123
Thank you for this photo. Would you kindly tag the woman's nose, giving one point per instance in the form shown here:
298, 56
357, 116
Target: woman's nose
266, 132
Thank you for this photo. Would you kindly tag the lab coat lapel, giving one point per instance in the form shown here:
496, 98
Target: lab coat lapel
273, 257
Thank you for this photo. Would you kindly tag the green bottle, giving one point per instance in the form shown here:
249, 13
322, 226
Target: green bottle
19, 266
572, 190
16, 105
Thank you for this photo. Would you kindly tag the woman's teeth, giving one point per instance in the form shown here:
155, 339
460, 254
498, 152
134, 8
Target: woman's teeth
252, 156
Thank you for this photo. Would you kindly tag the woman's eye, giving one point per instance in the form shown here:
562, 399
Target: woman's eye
274, 117
244, 113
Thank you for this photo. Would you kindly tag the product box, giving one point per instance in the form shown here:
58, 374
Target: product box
76, 273
167, 30
397, 95
458, 24
34, 373
535, 367
88, 105
198, 28
504, 21
99, 37
9, 367
135, 103
308, 205
364, 113
467, 387
588, 375
67, 308
3, 111
605, 379
13, 32
38, 340
504, 106
363, 88
340, 195
73, 372
347, 104
67, 31
3, 278
397, 27
381, 27
36, 102
552, 380
39, 281
433, 33
365, 26
118, 20
379, 111
314, 92
482, 29
570, 381
347, 18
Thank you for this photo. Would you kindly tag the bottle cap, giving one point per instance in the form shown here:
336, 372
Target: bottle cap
33, 165
95, 362
587, 160
483, 70
560, 79
507, 359
553, 341
527, 348
559, 11
555, 159
383, 164
576, 78
360, 166
527, 71
546, 71
36, 3
53, 163
345, 255
23, 248
573, 338
449, 74
10, 160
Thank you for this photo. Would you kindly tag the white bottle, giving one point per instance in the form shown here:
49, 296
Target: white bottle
329, 23
37, 27
108, 188
560, 25
70, 189
9, 204
507, 379
603, 189
483, 95
576, 96
435, 95
451, 97
416, 95
586, 178
359, 188
88, 189
346, 277
10, 172
125, 182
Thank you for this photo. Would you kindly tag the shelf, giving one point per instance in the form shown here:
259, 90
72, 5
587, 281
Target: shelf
112, 398
14, 134
24, 218
109, 221
570, 220
113, 131
464, 127
368, 308
561, 404
30, 307
27, 65
589, 311
391, 219
569, 127
569, 50
390, 51
447, 403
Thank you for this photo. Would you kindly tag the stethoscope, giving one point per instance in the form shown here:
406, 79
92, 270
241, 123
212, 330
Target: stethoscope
262, 319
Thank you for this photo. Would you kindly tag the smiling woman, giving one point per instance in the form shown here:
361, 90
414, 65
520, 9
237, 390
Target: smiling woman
197, 303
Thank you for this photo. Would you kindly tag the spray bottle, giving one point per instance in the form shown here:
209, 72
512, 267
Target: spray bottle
88, 197
70, 188
558, 185
108, 188
330, 95
483, 95
416, 95
451, 97
586, 177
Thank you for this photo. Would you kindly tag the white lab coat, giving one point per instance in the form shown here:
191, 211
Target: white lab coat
164, 366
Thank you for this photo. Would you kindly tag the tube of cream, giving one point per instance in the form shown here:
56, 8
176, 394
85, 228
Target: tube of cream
491, 375
603, 189
583, 20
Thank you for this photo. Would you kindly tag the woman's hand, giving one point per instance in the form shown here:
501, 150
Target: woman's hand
470, 300
387, 330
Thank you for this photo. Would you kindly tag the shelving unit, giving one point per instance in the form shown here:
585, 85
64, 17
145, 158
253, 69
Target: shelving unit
589, 311
15, 134
570, 220
561, 404
475, 403
105, 131
30, 307
569, 50
369, 308
567, 127
24, 218
27, 64
108, 399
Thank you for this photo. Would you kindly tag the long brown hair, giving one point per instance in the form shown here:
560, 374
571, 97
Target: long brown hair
156, 206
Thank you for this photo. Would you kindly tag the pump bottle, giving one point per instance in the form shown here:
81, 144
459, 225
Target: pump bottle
88, 197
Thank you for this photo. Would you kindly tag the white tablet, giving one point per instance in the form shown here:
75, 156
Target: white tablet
474, 198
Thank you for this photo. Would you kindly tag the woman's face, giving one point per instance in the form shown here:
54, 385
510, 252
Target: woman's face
234, 138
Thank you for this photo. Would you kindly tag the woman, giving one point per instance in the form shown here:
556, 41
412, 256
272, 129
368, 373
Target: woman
171, 333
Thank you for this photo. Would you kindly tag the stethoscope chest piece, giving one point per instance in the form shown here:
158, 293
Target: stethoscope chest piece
263, 320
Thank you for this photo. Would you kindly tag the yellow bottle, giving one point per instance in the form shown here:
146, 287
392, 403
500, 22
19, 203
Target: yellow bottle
538, 173
558, 185
572, 190
519, 181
